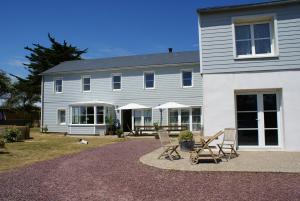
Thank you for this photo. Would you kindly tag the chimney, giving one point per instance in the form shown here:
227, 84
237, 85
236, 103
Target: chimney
170, 50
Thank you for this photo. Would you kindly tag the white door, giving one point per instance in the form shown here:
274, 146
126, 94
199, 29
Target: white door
257, 116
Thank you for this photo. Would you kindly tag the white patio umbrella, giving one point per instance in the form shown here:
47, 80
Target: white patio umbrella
170, 105
132, 106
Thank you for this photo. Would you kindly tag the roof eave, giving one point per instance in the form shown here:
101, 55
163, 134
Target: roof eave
244, 6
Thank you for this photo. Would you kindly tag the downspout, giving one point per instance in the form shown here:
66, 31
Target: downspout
42, 105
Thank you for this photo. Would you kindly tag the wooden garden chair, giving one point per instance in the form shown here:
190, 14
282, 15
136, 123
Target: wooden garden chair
205, 145
168, 147
228, 143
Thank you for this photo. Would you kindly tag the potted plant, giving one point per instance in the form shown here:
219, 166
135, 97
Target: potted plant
110, 130
186, 140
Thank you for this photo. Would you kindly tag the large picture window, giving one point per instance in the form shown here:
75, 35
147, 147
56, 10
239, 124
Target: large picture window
99, 114
83, 115
255, 38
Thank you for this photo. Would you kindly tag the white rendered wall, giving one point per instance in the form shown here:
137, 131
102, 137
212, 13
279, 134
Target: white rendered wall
219, 101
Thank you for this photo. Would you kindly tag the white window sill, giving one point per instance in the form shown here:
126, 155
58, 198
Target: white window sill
87, 125
256, 56
149, 88
87, 91
58, 92
117, 89
62, 124
187, 86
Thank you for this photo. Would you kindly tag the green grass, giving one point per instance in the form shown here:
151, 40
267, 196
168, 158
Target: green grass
44, 147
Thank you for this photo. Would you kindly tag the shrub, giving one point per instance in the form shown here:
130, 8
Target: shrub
2, 143
185, 136
119, 132
12, 134
156, 126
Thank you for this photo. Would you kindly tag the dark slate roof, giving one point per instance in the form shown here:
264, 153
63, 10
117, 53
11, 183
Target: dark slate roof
258, 3
126, 61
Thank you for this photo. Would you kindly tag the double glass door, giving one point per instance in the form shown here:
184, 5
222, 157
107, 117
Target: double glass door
257, 117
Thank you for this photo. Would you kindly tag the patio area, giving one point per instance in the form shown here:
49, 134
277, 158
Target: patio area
248, 161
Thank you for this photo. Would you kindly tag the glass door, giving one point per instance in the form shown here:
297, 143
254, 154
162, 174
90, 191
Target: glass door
270, 110
257, 119
247, 120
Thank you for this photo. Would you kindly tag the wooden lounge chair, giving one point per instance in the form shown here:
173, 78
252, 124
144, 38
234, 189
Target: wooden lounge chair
229, 143
168, 147
205, 145
131, 132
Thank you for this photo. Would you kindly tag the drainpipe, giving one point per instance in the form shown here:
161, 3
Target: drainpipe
42, 105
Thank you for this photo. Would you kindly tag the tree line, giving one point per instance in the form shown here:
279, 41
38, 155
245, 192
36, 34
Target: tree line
24, 94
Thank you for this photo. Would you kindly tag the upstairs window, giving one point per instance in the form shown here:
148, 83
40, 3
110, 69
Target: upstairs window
187, 78
149, 80
255, 38
58, 84
86, 83
116, 82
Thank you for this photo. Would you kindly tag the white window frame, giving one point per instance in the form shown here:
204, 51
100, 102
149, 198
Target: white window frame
187, 70
112, 81
252, 20
95, 115
62, 85
82, 83
58, 117
144, 80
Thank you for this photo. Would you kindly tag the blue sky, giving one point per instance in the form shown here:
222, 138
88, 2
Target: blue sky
106, 27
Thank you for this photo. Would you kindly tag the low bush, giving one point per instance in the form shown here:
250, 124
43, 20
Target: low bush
12, 134
119, 132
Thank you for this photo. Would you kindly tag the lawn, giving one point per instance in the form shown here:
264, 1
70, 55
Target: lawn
44, 147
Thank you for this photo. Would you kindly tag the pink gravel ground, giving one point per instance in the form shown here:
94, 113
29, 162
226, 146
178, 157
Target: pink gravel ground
113, 172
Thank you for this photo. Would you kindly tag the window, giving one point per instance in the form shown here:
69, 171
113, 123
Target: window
58, 85
173, 117
148, 117
116, 81
86, 83
61, 116
137, 118
149, 80
187, 78
99, 114
255, 38
196, 119
185, 118
83, 115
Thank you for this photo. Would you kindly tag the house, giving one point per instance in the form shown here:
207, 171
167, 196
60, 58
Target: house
79, 96
250, 61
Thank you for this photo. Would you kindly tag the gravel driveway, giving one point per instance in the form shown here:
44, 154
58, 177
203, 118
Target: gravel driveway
113, 172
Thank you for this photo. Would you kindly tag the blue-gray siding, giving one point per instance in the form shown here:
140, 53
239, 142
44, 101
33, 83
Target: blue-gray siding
217, 44
167, 88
